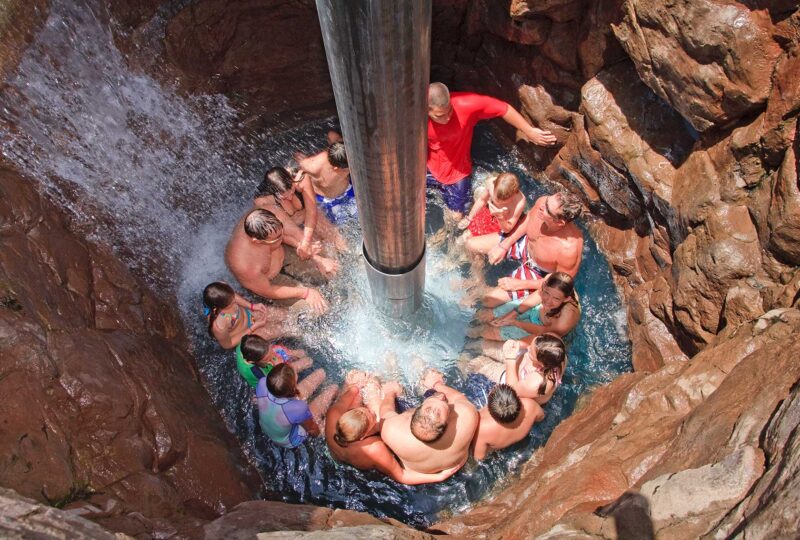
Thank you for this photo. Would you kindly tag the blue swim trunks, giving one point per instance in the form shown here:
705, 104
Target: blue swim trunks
456, 196
341, 209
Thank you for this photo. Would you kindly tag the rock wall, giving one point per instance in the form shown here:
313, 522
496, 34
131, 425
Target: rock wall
103, 408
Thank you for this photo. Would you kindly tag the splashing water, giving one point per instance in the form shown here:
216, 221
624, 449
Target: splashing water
164, 179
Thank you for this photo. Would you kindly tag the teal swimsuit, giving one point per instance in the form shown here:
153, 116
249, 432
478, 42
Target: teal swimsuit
533, 315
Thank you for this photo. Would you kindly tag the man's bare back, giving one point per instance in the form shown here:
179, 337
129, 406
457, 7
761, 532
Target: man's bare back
327, 180
250, 261
452, 450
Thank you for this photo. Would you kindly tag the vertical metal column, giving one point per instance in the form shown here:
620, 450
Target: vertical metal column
379, 59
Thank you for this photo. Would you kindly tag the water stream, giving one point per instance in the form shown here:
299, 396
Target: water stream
163, 179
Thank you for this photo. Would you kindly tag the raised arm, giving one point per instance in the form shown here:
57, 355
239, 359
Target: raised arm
390, 392
530, 133
310, 205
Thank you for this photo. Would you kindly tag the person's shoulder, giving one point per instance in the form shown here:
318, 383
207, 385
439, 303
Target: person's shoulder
465, 406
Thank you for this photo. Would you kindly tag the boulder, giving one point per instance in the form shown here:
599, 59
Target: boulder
712, 60
108, 407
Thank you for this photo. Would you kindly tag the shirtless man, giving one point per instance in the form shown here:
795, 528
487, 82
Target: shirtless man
352, 430
436, 435
506, 419
330, 177
255, 256
547, 242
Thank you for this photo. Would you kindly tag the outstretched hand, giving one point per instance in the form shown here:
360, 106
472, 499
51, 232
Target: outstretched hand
540, 137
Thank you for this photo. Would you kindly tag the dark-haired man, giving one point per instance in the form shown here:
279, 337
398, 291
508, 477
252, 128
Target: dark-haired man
436, 435
548, 241
451, 121
255, 256
506, 419
330, 177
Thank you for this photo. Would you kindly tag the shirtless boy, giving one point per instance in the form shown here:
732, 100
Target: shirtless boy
505, 420
255, 255
330, 178
548, 242
436, 435
352, 431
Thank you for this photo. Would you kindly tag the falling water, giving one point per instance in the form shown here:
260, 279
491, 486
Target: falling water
163, 179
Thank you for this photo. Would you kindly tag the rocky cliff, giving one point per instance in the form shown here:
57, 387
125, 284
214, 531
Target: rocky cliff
677, 124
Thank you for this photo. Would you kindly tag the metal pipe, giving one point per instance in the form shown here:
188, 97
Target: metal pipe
378, 55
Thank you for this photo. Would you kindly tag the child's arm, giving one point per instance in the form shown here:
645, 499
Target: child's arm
481, 198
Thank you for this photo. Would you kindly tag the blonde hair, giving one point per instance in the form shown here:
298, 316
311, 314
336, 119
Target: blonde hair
506, 185
351, 427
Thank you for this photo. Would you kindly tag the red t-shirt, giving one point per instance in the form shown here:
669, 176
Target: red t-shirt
449, 144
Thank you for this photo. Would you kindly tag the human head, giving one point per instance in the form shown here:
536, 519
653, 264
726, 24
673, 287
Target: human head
262, 225
216, 297
276, 181
439, 107
429, 421
550, 350
562, 207
354, 425
506, 185
557, 289
254, 348
504, 404
282, 381
337, 156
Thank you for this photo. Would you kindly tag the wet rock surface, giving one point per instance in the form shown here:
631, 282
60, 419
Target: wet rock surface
103, 409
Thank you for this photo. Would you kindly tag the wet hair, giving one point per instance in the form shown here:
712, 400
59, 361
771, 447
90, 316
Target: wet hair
351, 427
282, 381
571, 207
337, 155
276, 181
506, 185
426, 425
504, 404
217, 296
550, 351
438, 95
254, 348
260, 224
561, 281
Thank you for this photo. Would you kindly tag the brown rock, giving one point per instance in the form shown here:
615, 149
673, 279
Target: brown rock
635, 132
712, 60
101, 396
598, 47
273, 60
784, 214
555, 10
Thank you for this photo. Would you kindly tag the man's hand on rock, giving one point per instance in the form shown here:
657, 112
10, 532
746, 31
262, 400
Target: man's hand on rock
540, 137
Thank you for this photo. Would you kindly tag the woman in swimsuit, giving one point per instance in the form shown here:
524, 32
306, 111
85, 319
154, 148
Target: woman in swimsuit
292, 199
231, 317
553, 309
534, 370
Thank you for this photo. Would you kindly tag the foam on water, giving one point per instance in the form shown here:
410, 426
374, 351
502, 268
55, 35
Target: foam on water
163, 179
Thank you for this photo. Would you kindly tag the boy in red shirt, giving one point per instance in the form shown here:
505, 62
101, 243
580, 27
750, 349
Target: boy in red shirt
451, 121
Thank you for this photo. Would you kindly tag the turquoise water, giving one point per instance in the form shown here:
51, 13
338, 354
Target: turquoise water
354, 335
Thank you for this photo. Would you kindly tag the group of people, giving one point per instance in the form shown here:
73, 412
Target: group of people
520, 325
